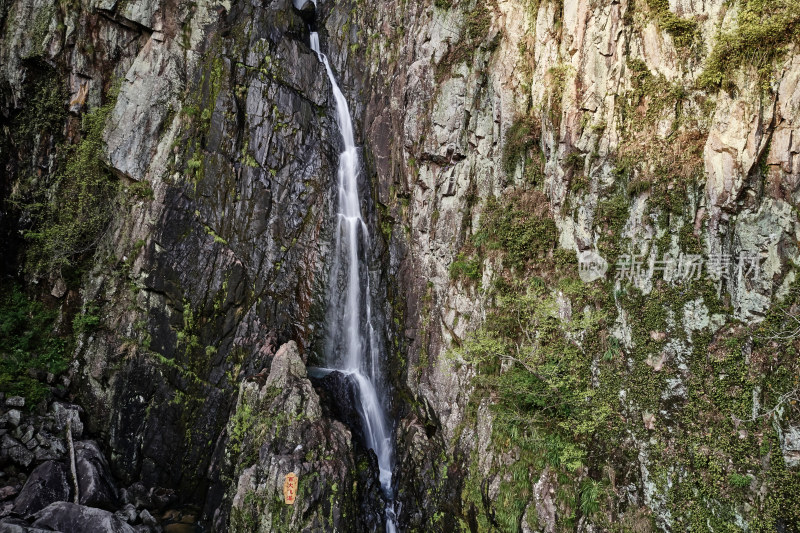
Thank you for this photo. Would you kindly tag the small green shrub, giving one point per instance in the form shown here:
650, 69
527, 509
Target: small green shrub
517, 228
739, 481
88, 320
243, 422
45, 111
611, 216
466, 267
522, 235
522, 136
637, 187
590, 494
684, 32
141, 190
575, 160
478, 21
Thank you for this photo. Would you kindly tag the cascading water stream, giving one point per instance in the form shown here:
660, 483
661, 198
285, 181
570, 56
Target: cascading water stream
353, 331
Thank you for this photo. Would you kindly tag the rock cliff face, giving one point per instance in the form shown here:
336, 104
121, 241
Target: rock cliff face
172, 167
658, 130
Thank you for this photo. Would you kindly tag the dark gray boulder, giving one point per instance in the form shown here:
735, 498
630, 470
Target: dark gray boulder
95, 484
12, 450
73, 518
48, 483
127, 513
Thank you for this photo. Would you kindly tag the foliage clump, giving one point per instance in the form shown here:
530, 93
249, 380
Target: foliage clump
477, 25
684, 32
44, 112
72, 216
522, 137
517, 228
29, 348
466, 266
765, 29
478, 21
536, 365
519, 231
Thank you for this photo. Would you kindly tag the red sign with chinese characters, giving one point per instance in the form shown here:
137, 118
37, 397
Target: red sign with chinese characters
290, 488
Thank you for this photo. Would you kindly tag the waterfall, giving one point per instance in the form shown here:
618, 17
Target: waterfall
354, 349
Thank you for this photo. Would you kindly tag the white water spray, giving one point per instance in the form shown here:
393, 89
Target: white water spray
354, 332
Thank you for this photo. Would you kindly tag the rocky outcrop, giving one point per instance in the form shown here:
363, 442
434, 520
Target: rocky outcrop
340, 394
33, 491
208, 322
216, 132
279, 428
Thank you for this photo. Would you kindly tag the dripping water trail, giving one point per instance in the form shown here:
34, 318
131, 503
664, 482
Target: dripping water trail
353, 334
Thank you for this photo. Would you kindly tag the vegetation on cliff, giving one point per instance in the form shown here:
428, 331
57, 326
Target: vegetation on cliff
69, 215
29, 347
764, 32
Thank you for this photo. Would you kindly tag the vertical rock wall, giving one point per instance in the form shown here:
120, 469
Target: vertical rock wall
646, 128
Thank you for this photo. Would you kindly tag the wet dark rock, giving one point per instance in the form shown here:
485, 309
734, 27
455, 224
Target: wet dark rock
141, 496
292, 434
48, 483
304, 6
339, 394
71, 517
96, 486
49, 447
147, 518
424, 483
12, 417
25, 436
15, 525
136, 495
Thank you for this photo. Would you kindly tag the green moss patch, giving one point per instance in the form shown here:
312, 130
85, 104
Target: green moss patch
516, 228
477, 23
684, 31
519, 146
764, 32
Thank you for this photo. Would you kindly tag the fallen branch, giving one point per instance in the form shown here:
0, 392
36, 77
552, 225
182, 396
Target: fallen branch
72, 468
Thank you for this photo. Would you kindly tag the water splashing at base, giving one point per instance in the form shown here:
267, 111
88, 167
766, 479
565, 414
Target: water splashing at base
354, 332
